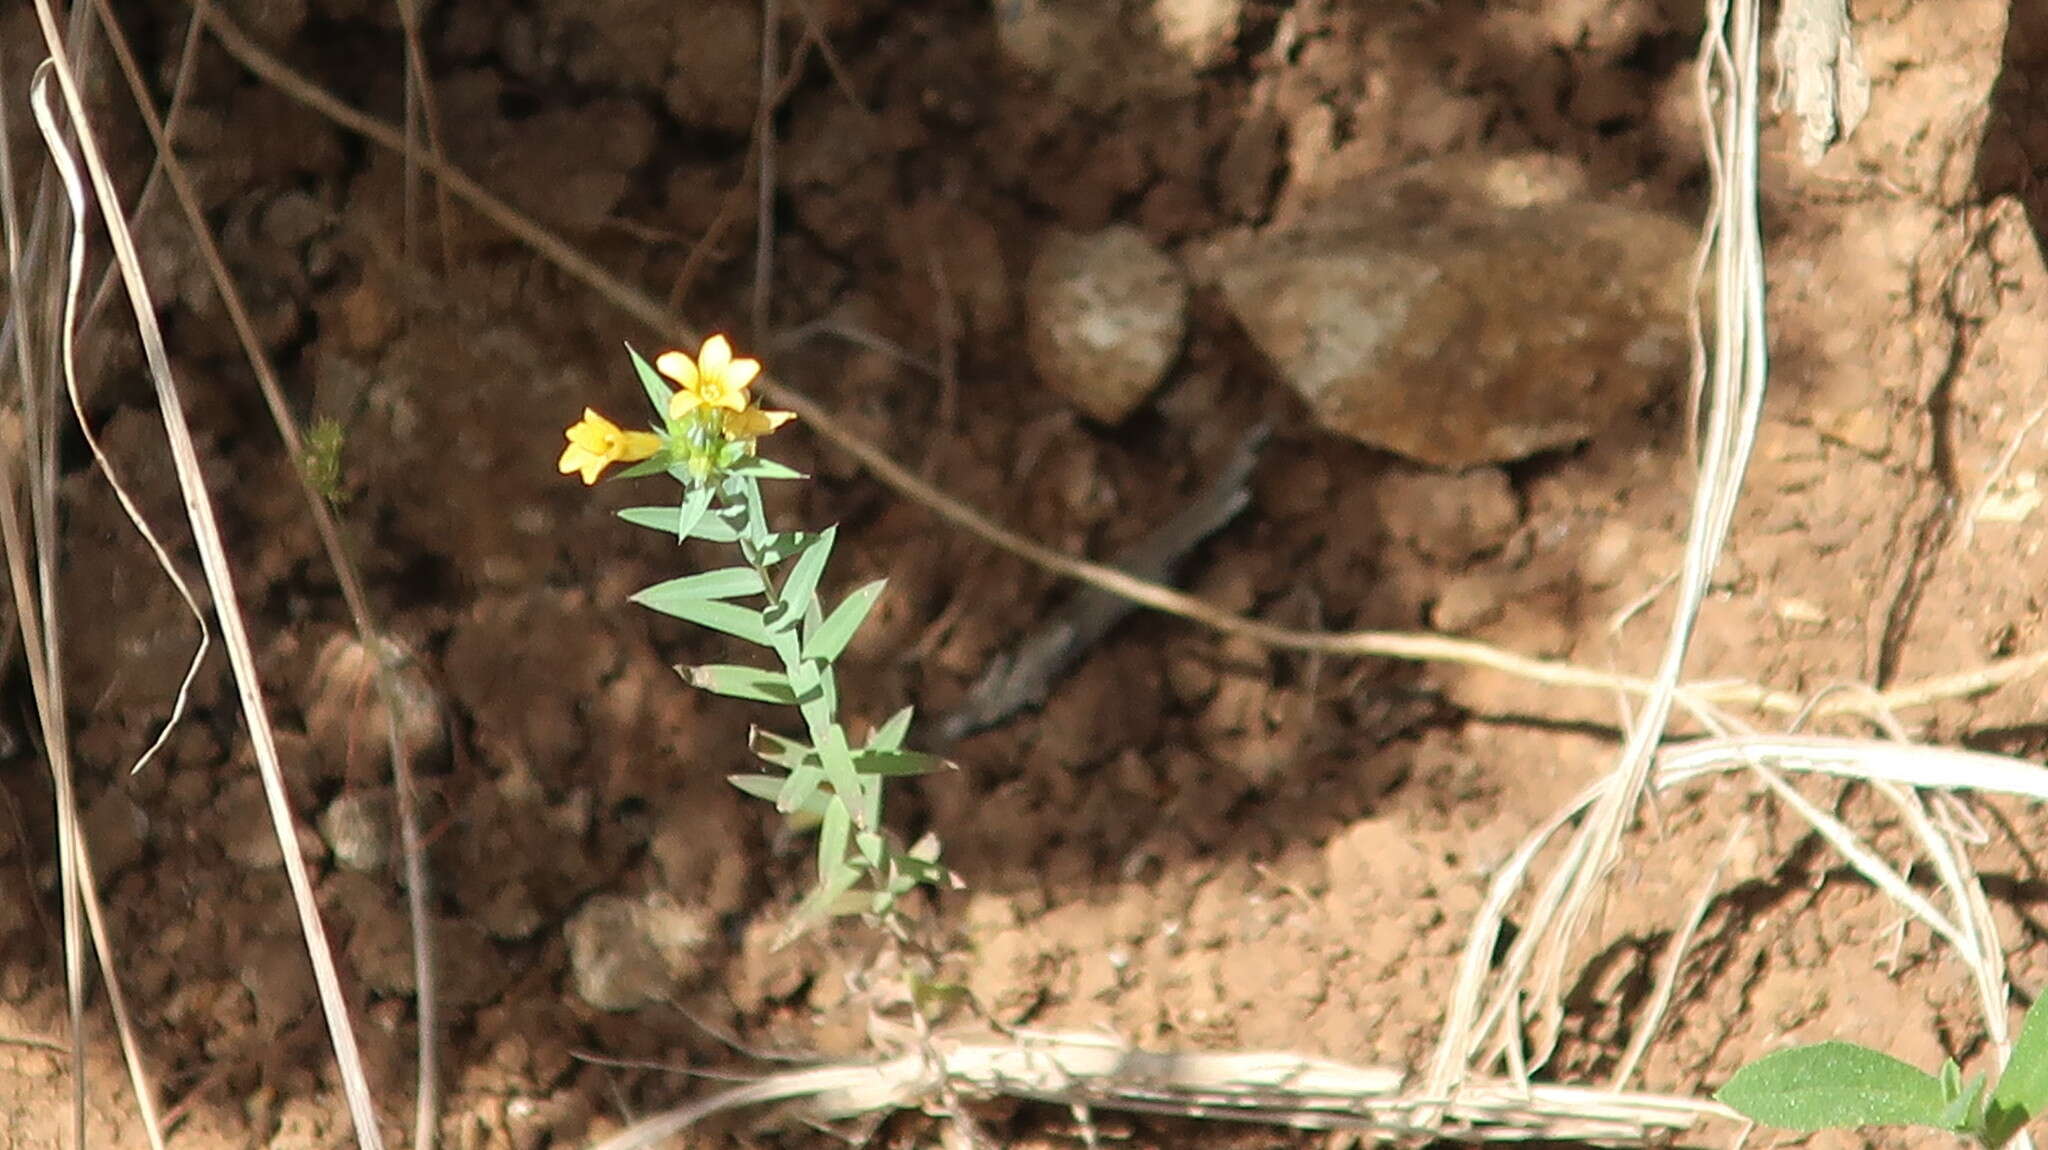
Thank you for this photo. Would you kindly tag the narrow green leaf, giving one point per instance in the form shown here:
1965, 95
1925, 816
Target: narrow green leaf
775, 750
2022, 1091
802, 583
729, 618
837, 760
740, 682
1965, 1108
653, 383
828, 640
696, 501
652, 465
671, 520
870, 845
804, 677
662, 519
760, 468
832, 838
1833, 1084
724, 583
768, 788
899, 764
799, 789
780, 545
889, 736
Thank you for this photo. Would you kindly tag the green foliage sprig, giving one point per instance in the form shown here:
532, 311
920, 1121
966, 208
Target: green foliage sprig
825, 782
1840, 1085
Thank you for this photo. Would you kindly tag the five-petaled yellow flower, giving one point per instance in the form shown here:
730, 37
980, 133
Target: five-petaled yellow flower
596, 443
713, 379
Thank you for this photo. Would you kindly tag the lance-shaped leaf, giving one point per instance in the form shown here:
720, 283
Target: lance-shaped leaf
775, 750
658, 389
2022, 1093
832, 836
837, 760
828, 640
768, 788
802, 582
729, 618
724, 583
899, 764
1834, 1084
780, 545
800, 788
669, 521
759, 468
889, 736
740, 682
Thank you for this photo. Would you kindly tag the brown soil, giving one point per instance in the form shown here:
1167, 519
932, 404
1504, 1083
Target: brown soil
1196, 843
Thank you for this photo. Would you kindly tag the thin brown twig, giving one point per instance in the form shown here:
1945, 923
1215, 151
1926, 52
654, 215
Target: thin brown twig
418, 894
1403, 646
764, 191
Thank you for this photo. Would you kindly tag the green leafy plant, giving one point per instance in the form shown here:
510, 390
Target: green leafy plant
825, 782
1840, 1084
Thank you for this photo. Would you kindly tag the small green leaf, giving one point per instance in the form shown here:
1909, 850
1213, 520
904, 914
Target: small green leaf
668, 521
780, 545
799, 789
652, 465
832, 838
724, 583
889, 736
1965, 1108
2022, 1092
729, 618
1833, 1084
870, 845
797, 590
653, 383
837, 759
768, 788
775, 750
899, 764
828, 640
662, 519
739, 682
804, 677
760, 468
809, 568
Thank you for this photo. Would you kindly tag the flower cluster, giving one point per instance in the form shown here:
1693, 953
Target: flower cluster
708, 423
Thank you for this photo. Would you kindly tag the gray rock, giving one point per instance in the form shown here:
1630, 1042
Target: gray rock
1107, 313
1457, 325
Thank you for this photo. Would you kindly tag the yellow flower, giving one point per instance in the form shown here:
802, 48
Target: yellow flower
596, 443
713, 379
752, 423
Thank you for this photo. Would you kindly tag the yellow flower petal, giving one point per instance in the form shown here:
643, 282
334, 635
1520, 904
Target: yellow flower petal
741, 375
753, 423
635, 446
596, 443
715, 357
678, 367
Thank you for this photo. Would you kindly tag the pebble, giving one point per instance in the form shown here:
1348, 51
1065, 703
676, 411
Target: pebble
361, 830
1100, 53
1452, 325
1107, 315
628, 953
